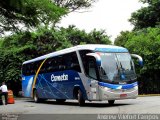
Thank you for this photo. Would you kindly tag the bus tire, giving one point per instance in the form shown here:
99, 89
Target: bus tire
60, 100
80, 98
111, 102
35, 97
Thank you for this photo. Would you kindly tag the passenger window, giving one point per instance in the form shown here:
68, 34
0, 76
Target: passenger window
71, 62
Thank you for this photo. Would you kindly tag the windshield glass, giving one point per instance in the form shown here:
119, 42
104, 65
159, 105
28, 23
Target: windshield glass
116, 67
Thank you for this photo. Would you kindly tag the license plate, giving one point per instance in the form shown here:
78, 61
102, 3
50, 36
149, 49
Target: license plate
123, 95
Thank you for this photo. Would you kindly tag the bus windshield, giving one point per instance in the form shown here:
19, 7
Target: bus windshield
116, 67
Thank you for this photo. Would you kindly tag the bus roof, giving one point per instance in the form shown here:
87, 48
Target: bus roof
94, 47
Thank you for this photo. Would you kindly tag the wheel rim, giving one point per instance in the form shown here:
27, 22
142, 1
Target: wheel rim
78, 97
35, 97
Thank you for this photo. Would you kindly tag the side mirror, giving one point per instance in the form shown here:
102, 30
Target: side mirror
140, 60
97, 57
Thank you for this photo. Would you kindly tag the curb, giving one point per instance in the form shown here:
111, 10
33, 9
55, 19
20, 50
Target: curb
147, 95
22, 98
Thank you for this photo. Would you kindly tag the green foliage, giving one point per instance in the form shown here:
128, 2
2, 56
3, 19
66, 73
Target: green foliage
73, 5
147, 16
28, 13
99, 37
76, 36
20, 15
122, 38
1, 41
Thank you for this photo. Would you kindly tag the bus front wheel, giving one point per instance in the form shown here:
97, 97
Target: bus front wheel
80, 98
111, 102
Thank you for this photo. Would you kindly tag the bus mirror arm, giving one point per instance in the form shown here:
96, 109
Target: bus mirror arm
140, 60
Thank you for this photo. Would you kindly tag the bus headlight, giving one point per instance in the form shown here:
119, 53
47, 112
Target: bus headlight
136, 87
104, 88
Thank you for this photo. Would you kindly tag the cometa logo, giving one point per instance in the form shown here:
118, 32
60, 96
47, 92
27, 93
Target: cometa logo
59, 77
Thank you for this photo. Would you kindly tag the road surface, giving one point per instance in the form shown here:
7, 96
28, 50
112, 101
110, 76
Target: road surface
141, 105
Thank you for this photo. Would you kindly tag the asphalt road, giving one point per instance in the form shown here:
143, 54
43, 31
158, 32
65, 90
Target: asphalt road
141, 105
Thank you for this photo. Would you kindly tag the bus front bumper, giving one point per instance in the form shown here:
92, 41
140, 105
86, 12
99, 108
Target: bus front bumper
117, 94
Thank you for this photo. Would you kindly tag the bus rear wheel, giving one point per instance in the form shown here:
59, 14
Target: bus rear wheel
60, 100
80, 98
111, 102
35, 96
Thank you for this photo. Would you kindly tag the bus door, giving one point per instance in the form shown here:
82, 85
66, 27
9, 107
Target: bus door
92, 73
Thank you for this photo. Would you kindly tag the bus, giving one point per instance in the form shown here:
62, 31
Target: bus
90, 72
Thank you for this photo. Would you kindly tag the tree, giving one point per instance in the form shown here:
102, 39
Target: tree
147, 16
28, 13
122, 38
76, 36
99, 37
73, 5
18, 15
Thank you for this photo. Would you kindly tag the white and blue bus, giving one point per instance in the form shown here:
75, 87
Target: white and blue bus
84, 72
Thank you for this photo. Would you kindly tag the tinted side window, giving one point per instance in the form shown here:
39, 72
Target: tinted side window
75, 63
66, 62
58, 63
71, 62
28, 69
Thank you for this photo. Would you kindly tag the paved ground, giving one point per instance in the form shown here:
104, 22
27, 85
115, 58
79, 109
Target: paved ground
141, 105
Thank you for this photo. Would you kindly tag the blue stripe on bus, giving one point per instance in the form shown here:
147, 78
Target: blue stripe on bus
111, 49
120, 86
